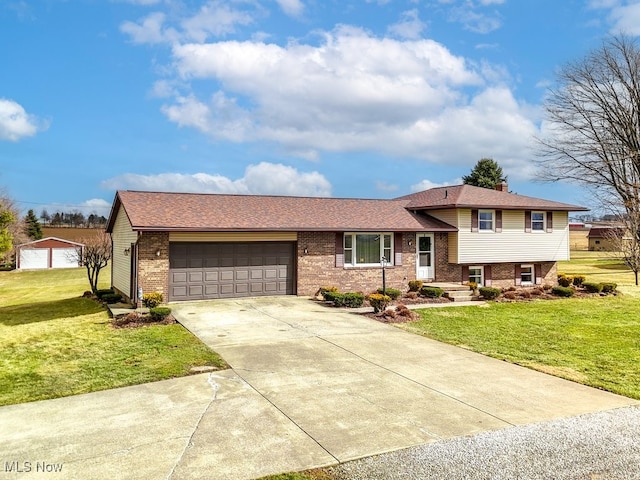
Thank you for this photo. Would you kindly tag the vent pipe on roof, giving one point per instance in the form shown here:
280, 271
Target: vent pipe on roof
446, 194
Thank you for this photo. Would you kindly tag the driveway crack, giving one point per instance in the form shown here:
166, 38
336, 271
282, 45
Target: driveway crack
215, 387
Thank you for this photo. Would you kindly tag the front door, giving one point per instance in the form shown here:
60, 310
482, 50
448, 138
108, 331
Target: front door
424, 260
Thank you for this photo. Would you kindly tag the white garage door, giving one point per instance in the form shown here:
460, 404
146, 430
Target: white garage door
64, 258
34, 258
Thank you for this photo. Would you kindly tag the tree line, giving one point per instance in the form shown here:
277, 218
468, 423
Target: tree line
72, 219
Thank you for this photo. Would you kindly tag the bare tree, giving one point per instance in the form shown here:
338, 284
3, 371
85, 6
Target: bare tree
592, 132
625, 242
95, 255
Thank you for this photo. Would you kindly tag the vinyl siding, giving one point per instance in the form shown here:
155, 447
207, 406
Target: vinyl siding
449, 216
512, 244
122, 237
233, 236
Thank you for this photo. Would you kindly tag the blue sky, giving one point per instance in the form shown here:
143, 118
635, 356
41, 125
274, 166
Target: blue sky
371, 99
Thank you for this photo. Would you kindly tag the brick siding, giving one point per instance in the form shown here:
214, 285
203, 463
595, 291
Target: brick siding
153, 270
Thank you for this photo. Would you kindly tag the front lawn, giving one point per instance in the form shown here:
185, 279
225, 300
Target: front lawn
594, 341
55, 343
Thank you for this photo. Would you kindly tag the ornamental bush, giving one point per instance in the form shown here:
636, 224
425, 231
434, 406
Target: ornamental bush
330, 295
111, 298
431, 292
152, 300
104, 291
415, 285
348, 299
578, 280
565, 281
159, 313
379, 302
391, 292
489, 293
609, 287
562, 291
592, 287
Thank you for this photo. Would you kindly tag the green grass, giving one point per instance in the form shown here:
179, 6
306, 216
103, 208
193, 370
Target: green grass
601, 267
594, 341
55, 343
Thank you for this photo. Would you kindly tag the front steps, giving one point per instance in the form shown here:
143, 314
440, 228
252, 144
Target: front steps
454, 291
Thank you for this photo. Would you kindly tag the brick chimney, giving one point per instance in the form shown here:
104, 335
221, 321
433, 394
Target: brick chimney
503, 186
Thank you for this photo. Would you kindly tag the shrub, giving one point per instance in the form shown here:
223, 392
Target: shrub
472, 285
104, 291
348, 299
609, 287
547, 286
489, 293
562, 291
525, 294
411, 295
159, 313
379, 302
330, 295
565, 281
415, 285
431, 292
510, 295
511, 289
326, 289
592, 287
394, 293
578, 280
111, 297
537, 291
152, 300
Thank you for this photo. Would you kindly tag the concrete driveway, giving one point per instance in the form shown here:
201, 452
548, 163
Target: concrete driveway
309, 386
353, 387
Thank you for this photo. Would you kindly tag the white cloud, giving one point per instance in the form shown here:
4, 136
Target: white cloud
214, 19
475, 21
150, 30
426, 184
293, 8
386, 186
264, 178
626, 19
410, 26
353, 92
16, 123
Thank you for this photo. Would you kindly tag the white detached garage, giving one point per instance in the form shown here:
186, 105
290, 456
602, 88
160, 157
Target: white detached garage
48, 252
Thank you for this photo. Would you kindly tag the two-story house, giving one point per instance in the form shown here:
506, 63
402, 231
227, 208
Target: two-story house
206, 246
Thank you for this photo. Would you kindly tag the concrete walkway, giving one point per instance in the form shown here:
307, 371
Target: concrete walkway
310, 386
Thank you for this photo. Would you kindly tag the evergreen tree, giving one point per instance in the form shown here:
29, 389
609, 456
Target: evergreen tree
32, 226
487, 174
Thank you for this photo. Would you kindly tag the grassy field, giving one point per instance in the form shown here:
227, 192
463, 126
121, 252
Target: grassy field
595, 341
55, 343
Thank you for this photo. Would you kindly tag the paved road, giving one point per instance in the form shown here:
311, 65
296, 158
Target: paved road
309, 386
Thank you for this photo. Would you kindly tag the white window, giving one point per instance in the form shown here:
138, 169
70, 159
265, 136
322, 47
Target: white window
485, 220
526, 275
367, 249
476, 274
537, 221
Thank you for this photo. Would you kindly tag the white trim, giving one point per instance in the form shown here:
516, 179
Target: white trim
544, 222
533, 275
493, 221
354, 252
481, 268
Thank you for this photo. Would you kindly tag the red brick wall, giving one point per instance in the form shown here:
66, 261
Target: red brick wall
153, 270
317, 267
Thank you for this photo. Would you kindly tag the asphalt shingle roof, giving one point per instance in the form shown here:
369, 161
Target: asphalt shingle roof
154, 211
468, 196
